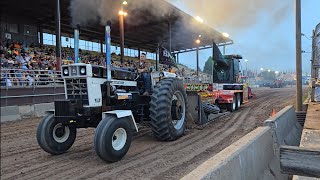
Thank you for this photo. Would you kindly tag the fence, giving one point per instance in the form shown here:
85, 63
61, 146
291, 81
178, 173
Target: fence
315, 65
20, 87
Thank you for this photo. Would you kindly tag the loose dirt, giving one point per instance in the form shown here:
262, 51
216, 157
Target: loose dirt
22, 158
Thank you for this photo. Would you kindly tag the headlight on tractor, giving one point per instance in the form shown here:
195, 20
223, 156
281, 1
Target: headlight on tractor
65, 71
83, 70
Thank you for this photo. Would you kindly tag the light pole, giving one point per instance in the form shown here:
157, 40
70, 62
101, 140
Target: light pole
298, 55
198, 41
122, 13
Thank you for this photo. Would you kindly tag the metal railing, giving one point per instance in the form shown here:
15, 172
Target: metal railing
19, 87
13, 78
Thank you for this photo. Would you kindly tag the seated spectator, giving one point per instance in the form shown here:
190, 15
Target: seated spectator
171, 70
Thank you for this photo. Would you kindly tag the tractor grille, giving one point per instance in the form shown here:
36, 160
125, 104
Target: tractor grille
61, 108
77, 89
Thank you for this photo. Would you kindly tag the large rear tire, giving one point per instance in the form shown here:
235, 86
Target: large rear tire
54, 137
112, 138
168, 107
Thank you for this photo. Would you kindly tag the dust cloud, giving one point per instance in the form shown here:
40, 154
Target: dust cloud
237, 14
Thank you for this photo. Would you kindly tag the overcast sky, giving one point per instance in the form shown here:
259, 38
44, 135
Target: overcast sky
263, 30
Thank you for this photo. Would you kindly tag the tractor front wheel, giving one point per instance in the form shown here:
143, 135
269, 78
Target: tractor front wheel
112, 138
54, 137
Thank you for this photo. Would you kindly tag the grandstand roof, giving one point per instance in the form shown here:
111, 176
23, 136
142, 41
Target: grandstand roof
145, 35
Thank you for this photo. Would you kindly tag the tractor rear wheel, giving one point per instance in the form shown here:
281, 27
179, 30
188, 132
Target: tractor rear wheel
112, 138
54, 137
168, 108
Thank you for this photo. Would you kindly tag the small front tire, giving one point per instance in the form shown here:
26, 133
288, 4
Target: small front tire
112, 138
54, 137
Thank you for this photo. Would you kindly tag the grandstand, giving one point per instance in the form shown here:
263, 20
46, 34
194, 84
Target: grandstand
29, 61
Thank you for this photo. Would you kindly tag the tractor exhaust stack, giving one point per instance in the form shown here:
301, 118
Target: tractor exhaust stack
108, 49
76, 43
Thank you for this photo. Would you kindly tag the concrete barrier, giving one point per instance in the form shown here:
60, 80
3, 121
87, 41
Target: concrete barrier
256, 155
285, 128
10, 113
13, 113
250, 158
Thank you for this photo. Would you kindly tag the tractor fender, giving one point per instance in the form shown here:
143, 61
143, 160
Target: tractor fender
121, 114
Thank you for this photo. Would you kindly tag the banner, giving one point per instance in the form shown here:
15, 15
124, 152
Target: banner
166, 58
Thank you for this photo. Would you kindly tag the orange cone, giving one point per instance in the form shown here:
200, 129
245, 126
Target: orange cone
273, 113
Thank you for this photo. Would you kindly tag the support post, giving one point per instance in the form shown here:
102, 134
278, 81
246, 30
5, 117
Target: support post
121, 23
58, 36
213, 45
101, 46
157, 59
139, 54
224, 49
178, 58
298, 55
170, 42
40, 30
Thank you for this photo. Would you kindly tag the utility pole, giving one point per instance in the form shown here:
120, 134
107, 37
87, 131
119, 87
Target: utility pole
298, 55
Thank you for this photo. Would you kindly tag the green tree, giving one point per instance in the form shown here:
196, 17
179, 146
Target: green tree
268, 75
208, 66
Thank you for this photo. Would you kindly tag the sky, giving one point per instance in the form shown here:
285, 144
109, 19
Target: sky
263, 31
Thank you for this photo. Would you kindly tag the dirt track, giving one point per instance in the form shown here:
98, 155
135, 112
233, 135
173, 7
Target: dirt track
22, 158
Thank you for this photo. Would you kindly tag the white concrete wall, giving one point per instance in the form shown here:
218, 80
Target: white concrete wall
13, 113
250, 158
256, 155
